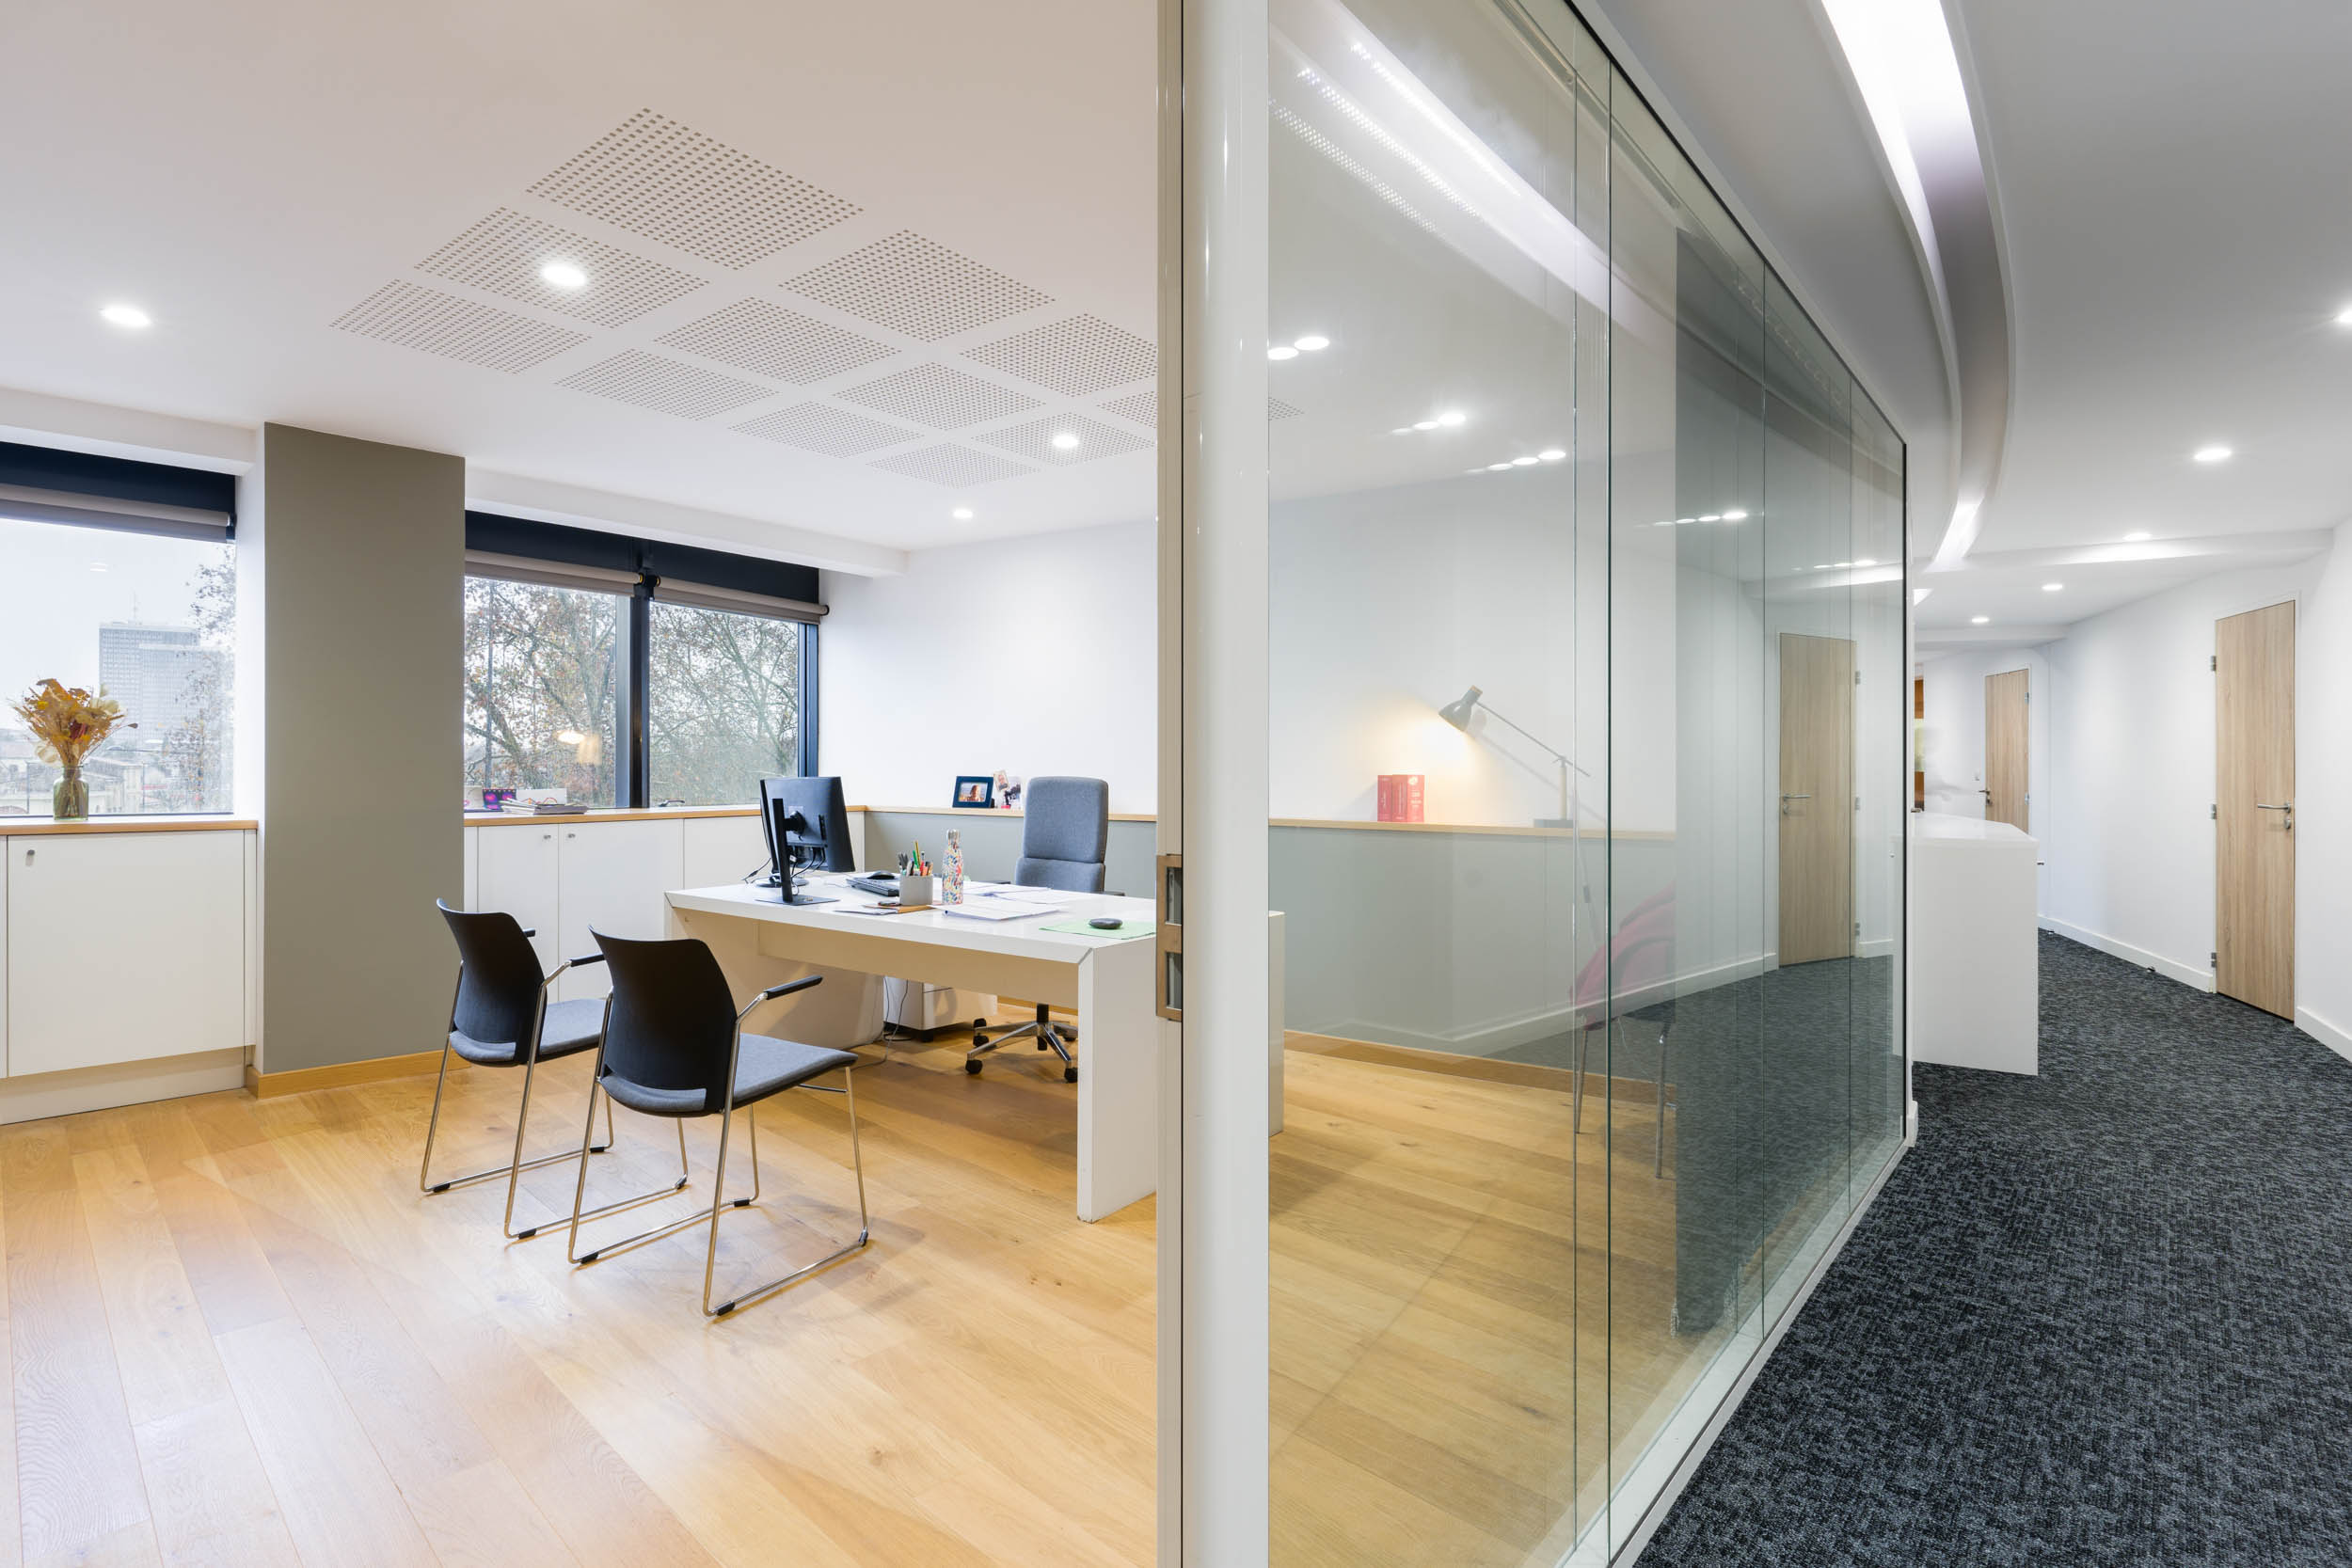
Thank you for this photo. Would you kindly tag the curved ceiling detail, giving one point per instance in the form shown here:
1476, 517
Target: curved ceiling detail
1908, 71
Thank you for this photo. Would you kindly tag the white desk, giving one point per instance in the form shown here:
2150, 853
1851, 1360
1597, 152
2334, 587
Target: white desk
760, 942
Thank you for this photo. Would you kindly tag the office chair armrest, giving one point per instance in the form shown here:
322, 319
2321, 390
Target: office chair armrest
531, 931
774, 991
580, 962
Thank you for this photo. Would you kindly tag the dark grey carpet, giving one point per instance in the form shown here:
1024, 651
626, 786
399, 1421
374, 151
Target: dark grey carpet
2099, 1317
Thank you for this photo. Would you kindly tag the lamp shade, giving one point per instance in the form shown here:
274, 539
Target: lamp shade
1458, 712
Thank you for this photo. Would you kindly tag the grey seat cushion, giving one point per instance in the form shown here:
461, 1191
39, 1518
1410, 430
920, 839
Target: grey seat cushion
767, 1066
571, 1027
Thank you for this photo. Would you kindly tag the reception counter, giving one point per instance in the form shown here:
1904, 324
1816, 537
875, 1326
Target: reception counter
1975, 988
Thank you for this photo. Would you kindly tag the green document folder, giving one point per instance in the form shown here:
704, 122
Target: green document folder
1128, 929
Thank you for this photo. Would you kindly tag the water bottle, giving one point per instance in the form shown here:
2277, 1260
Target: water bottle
954, 890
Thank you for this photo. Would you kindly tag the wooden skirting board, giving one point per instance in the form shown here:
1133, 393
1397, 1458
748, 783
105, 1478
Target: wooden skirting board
338, 1075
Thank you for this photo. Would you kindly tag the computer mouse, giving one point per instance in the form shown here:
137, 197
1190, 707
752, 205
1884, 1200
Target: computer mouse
1106, 922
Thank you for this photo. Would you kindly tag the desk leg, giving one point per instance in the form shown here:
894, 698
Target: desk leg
1119, 1080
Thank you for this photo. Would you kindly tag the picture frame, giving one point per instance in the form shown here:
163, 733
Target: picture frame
974, 792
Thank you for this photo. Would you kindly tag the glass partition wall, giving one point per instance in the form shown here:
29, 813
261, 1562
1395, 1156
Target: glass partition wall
1586, 622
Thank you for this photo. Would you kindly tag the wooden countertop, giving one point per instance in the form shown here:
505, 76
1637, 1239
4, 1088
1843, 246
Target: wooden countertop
43, 827
986, 811
606, 814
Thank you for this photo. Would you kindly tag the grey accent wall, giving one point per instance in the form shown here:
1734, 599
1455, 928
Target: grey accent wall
362, 556
992, 842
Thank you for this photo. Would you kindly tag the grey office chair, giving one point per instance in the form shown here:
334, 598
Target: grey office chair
674, 1046
500, 1018
1064, 836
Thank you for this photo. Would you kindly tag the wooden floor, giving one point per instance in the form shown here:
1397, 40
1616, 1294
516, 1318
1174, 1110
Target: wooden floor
238, 1335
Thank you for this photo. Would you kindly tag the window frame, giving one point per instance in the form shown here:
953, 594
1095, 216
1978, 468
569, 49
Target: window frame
521, 549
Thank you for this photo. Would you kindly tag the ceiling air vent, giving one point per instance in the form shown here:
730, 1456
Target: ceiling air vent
502, 255
939, 397
835, 431
1063, 439
767, 340
659, 179
911, 285
1277, 409
951, 464
1076, 357
435, 322
650, 381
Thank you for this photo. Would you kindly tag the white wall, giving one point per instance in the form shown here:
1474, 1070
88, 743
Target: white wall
1033, 656
2323, 807
1955, 738
2130, 845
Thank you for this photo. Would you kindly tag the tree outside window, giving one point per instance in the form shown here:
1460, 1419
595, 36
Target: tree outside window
542, 697
723, 709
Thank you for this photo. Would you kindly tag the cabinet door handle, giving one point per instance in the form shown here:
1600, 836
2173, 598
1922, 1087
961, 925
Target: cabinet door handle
28, 857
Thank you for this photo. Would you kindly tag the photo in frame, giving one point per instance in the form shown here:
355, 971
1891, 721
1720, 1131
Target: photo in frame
974, 792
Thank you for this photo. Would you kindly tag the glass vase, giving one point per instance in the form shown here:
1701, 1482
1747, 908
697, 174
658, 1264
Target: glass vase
69, 801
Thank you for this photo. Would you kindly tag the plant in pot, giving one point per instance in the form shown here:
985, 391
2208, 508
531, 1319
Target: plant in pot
66, 724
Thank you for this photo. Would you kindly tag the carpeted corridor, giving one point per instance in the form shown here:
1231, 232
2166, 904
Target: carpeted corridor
2099, 1317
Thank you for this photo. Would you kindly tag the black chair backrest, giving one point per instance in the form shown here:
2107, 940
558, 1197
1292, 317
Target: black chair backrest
672, 1024
498, 979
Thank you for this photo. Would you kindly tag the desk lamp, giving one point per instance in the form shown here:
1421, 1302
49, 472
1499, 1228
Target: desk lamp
1458, 713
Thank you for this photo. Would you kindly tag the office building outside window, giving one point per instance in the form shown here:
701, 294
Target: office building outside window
150, 620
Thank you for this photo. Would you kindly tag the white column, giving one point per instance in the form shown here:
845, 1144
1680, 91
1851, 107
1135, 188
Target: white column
1214, 526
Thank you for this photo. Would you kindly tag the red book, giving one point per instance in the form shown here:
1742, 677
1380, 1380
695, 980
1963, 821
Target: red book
1399, 798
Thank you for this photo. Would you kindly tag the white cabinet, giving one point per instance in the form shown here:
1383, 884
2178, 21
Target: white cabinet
616, 878
717, 850
124, 947
515, 870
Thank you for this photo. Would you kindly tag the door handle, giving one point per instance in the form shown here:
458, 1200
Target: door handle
1169, 938
1796, 797
2288, 808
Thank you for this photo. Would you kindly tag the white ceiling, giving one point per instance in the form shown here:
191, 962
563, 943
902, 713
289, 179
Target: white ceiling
249, 172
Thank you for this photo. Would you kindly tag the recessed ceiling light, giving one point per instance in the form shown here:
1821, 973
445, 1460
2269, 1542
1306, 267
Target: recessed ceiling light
1735, 517
1552, 454
1312, 343
563, 275
961, 513
97, 566
1451, 417
1866, 563
2344, 317
127, 315
1497, 467
1401, 430
1979, 620
1711, 516
1281, 351
1684, 522
1523, 462
2137, 537
1425, 424
2211, 454
1065, 440
2053, 587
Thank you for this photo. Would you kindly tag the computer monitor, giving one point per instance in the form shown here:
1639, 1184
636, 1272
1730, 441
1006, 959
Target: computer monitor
808, 824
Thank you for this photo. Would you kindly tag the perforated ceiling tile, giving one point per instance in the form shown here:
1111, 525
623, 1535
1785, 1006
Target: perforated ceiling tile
502, 255
651, 381
835, 431
1037, 440
953, 465
753, 335
911, 285
432, 322
1076, 357
939, 397
655, 177
1144, 408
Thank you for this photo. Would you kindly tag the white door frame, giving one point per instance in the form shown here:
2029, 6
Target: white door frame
1214, 1336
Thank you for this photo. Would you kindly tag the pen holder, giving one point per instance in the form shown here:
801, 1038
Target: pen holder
917, 892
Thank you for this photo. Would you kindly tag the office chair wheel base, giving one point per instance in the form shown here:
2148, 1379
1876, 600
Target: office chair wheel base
1070, 1075
972, 1066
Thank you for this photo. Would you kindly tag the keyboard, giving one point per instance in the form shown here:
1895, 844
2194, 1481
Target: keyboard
883, 886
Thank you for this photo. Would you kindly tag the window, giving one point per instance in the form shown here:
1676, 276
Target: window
629, 672
722, 707
543, 689
149, 619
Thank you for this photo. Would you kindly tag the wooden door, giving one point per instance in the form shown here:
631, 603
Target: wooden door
2254, 811
2007, 698
1816, 799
